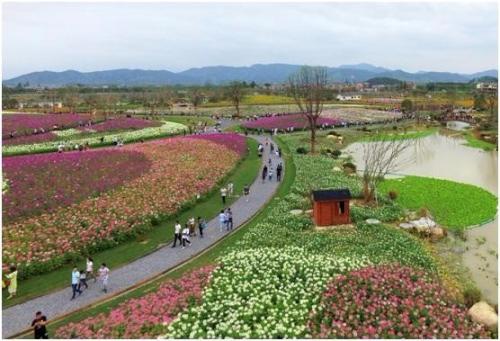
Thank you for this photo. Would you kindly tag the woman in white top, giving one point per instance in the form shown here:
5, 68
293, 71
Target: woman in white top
104, 276
90, 269
185, 236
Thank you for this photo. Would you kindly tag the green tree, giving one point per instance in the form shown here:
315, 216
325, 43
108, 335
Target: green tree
407, 105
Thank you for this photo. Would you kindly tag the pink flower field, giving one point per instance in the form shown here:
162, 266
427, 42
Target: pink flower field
297, 121
122, 123
391, 302
24, 124
40, 183
170, 173
145, 317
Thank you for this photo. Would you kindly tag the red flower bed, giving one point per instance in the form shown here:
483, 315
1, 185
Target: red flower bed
297, 121
391, 302
181, 168
29, 139
145, 317
40, 183
24, 124
122, 123
232, 141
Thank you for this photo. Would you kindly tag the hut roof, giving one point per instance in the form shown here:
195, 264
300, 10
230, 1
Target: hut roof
329, 194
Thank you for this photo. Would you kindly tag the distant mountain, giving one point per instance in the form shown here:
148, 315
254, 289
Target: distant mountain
259, 73
365, 67
383, 81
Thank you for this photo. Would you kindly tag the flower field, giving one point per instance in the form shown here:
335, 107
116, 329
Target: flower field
297, 121
145, 317
29, 139
24, 124
391, 302
261, 293
121, 123
180, 168
40, 183
167, 128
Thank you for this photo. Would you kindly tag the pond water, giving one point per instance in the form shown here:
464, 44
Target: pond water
448, 158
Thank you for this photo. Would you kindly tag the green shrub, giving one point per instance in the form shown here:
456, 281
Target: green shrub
471, 296
301, 150
336, 153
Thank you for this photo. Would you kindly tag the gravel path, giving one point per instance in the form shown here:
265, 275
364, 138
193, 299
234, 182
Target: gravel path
18, 318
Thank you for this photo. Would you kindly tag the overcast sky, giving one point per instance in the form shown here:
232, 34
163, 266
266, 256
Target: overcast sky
456, 37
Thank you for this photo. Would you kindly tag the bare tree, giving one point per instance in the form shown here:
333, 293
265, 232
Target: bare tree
308, 88
235, 93
195, 97
382, 155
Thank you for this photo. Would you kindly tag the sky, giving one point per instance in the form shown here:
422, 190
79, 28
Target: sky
454, 37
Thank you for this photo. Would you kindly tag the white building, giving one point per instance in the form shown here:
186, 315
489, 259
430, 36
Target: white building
348, 97
486, 86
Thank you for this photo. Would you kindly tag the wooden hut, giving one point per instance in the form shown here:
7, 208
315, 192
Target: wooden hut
331, 207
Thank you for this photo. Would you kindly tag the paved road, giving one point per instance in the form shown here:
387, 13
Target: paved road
17, 318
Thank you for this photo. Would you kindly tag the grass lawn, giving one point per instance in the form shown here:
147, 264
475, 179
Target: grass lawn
188, 120
208, 257
397, 135
246, 171
474, 142
452, 204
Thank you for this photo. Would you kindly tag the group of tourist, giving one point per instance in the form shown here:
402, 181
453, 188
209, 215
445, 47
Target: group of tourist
183, 235
79, 277
268, 170
225, 219
67, 147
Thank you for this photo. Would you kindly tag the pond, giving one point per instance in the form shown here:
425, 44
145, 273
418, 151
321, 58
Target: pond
448, 158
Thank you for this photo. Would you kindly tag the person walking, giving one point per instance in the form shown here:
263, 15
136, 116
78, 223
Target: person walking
12, 278
270, 174
264, 174
90, 269
177, 233
104, 277
222, 220
229, 219
279, 169
230, 189
223, 193
83, 280
201, 226
192, 227
39, 326
185, 236
75, 280
246, 192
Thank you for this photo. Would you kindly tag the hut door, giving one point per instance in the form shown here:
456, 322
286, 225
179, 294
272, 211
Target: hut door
341, 207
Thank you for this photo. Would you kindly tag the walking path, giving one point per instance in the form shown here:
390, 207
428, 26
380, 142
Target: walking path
18, 318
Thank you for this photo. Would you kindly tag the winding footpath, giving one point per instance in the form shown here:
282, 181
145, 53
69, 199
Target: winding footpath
18, 318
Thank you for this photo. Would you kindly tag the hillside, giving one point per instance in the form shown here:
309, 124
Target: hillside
259, 73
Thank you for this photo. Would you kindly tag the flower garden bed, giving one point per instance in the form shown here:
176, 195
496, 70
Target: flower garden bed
24, 124
261, 293
43, 182
452, 204
297, 121
191, 166
145, 317
391, 302
121, 123
166, 129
